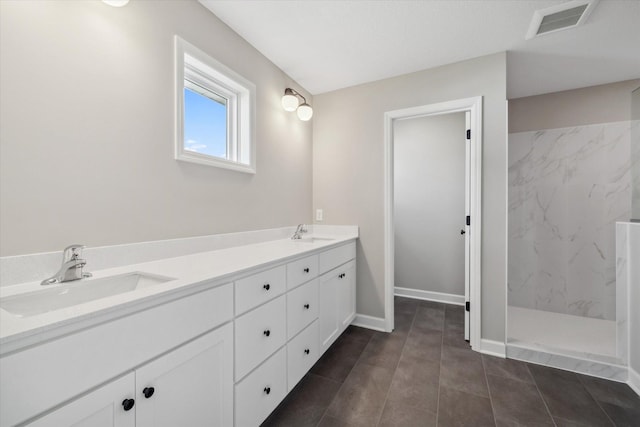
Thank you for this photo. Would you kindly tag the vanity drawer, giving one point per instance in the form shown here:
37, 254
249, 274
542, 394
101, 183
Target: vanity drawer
301, 271
302, 352
258, 288
260, 393
259, 333
337, 256
302, 307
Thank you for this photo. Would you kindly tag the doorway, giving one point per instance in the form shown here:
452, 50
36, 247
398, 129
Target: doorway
435, 180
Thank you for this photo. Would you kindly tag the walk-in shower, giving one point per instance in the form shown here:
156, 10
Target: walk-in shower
567, 189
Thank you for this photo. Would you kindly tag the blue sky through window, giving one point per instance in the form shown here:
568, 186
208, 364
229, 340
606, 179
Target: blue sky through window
205, 125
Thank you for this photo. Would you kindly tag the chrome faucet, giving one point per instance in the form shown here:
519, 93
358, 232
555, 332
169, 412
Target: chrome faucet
71, 268
299, 232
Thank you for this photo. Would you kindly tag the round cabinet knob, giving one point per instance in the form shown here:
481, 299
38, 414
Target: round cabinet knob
306, 270
127, 404
266, 287
148, 392
306, 306
462, 231
267, 332
306, 351
267, 390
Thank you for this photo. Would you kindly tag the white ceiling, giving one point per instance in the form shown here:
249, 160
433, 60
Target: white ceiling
328, 45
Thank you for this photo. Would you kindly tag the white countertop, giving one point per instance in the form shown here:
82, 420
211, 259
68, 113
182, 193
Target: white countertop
193, 273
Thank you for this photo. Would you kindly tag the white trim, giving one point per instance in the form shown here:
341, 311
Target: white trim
389, 249
474, 105
369, 322
574, 363
429, 295
634, 380
240, 94
506, 228
493, 348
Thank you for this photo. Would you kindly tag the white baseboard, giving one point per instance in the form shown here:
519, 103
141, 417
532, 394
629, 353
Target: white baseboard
634, 380
369, 322
429, 296
493, 348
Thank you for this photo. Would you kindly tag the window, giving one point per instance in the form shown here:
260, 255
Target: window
214, 112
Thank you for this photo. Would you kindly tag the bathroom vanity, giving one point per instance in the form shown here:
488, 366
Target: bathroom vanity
219, 342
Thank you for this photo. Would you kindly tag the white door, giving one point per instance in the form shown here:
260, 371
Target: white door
111, 405
467, 226
190, 386
430, 204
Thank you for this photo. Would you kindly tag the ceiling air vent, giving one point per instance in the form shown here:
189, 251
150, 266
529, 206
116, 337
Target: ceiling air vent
560, 17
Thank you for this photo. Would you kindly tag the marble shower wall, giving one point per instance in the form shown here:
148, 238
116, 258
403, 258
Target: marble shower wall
567, 188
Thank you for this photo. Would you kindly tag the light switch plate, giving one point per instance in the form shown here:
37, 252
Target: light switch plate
319, 214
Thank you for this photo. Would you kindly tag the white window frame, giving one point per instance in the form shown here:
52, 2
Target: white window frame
239, 93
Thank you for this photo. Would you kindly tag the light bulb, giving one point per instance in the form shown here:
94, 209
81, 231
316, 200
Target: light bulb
289, 101
305, 112
116, 3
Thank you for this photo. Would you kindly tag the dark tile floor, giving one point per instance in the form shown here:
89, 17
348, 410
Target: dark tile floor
424, 374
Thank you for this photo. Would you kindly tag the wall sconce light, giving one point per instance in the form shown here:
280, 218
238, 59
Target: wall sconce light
116, 3
290, 103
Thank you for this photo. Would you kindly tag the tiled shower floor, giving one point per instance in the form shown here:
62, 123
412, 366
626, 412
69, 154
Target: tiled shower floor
424, 374
557, 330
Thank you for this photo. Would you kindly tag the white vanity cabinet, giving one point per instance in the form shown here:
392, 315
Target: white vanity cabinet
316, 312
269, 339
222, 352
191, 385
159, 345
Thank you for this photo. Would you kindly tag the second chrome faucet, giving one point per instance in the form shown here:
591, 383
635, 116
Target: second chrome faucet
299, 232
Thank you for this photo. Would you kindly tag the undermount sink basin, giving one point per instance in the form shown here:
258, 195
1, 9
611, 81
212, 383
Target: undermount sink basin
59, 296
314, 239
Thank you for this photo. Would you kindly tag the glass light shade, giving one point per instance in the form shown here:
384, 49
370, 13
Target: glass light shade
289, 102
116, 3
305, 112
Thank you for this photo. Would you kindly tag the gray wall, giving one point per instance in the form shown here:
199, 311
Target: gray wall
348, 169
585, 106
429, 211
87, 111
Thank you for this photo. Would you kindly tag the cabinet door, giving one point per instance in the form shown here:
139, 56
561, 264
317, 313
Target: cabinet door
102, 407
190, 386
328, 309
346, 295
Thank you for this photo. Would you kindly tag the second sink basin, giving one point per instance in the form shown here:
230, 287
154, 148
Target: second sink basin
314, 239
59, 296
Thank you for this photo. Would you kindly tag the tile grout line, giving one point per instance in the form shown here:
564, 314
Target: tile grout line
486, 380
345, 380
597, 401
444, 322
386, 397
541, 395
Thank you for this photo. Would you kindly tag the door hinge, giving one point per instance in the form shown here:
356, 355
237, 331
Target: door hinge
467, 306
468, 133
468, 220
